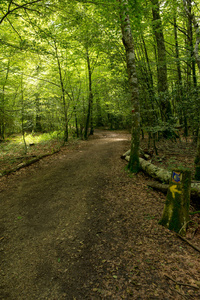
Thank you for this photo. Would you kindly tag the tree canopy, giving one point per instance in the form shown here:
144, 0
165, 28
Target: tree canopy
64, 66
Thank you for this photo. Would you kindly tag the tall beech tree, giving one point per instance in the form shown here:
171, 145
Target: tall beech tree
127, 39
162, 82
89, 117
192, 20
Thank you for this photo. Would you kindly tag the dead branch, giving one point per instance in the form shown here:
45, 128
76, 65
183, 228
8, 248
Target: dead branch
21, 157
182, 295
25, 164
180, 283
188, 242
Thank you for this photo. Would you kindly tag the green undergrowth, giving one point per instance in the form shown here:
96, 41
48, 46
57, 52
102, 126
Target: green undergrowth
14, 145
13, 150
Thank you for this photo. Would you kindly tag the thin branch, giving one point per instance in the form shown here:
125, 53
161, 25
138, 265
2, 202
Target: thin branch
9, 44
99, 3
180, 283
18, 6
185, 240
180, 29
14, 29
9, 5
182, 295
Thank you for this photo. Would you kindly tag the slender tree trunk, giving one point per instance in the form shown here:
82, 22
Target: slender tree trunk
76, 122
178, 65
188, 10
66, 131
197, 159
127, 39
182, 111
190, 42
22, 122
38, 126
152, 118
2, 105
161, 60
89, 119
99, 114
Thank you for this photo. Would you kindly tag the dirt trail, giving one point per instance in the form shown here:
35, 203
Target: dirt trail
77, 226
50, 219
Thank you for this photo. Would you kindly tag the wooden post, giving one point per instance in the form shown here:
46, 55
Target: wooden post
176, 210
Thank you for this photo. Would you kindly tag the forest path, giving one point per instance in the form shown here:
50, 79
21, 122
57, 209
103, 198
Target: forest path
77, 226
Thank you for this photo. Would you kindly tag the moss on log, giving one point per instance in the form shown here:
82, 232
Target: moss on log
155, 172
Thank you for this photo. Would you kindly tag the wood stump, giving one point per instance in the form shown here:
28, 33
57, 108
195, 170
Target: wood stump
176, 210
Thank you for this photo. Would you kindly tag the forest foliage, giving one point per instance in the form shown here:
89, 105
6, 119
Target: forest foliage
63, 66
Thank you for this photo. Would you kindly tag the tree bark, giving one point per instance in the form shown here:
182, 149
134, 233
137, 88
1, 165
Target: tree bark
197, 58
190, 41
127, 39
2, 104
197, 159
38, 125
89, 119
165, 107
176, 210
182, 113
66, 131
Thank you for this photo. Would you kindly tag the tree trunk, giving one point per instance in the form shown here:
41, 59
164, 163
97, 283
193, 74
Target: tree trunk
2, 105
176, 211
89, 119
22, 119
165, 106
197, 58
38, 126
190, 41
66, 132
76, 122
182, 112
197, 159
127, 39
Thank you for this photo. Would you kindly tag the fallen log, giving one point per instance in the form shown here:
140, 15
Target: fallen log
143, 153
162, 187
163, 176
153, 171
26, 163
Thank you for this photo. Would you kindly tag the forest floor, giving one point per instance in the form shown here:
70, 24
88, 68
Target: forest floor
76, 225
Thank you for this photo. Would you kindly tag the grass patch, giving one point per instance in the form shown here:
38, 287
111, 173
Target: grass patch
12, 149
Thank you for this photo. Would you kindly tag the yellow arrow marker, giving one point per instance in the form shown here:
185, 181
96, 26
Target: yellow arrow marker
173, 190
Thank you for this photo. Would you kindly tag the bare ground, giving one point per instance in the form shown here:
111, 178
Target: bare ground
76, 225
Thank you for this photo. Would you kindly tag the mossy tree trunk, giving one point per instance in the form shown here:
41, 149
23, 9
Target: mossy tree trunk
176, 210
197, 159
65, 106
38, 125
162, 82
89, 119
127, 39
